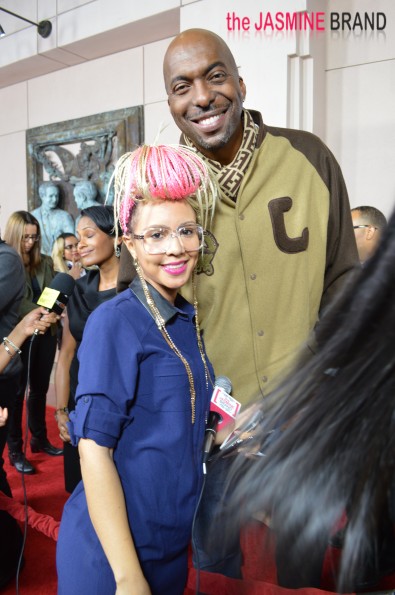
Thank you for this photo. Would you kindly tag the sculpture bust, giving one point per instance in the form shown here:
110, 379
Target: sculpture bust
85, 193
53, 221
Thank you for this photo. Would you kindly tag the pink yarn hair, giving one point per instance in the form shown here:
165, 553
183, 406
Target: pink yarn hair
125, 213
161, 172
173, 172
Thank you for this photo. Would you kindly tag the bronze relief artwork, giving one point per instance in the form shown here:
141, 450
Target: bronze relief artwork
84, 149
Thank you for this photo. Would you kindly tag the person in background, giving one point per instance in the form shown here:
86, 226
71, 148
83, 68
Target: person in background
65, 256
52, 220
369, 224
143, 393
22, 232
328, 439
96, 232
66, 259
12, 282
12, 335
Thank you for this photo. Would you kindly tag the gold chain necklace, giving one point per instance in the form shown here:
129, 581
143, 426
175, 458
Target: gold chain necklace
160, 323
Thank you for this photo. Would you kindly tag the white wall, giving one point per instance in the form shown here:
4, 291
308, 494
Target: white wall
74, 84
262, 58
341, 87
132, 77
360, 114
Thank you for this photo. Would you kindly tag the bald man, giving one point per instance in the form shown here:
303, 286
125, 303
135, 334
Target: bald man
369, 224
281, 243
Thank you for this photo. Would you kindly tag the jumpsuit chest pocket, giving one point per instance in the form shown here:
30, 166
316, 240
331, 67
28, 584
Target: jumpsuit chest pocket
166, 387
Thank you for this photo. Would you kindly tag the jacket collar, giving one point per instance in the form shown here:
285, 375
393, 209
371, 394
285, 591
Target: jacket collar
166, 309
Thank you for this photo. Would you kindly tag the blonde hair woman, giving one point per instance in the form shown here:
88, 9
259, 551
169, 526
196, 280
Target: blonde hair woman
65, 256
143, 394
22, 232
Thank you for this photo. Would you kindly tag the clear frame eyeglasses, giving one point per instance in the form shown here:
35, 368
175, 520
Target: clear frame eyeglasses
30, 237
156, 240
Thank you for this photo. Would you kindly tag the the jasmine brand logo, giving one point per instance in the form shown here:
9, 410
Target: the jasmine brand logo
307, 21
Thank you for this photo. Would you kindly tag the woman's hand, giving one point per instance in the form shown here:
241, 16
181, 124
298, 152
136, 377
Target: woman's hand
62, 418
75, 270
3, 416
39, 319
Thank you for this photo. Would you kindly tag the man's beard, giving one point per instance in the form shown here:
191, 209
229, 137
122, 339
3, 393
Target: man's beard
217, 144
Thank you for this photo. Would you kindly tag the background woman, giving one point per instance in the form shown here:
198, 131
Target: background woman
22, 232
65, 256
96, 233
328, 441
13, 334
12, 282
143, 394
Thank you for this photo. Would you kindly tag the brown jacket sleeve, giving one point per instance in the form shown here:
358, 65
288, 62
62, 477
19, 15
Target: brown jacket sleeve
342, 255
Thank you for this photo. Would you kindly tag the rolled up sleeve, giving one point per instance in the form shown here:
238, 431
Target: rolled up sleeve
92, 420
109, 361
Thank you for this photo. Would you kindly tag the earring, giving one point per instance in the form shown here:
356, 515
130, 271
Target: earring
117, 251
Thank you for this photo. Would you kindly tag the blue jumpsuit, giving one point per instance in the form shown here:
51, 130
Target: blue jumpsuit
133, 395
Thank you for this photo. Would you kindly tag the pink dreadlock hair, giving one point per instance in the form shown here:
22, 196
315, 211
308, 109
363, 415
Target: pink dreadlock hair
162, 172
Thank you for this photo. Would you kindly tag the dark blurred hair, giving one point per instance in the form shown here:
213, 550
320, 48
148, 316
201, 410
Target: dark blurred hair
333, 423
103, 217
14, 232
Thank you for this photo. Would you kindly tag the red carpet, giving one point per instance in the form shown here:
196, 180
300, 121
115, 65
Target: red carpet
46, 495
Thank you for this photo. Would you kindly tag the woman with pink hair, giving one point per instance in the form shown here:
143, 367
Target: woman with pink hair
144, 392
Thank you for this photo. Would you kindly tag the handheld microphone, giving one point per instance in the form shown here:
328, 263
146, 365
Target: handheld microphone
241, 435
55, 297
223, 410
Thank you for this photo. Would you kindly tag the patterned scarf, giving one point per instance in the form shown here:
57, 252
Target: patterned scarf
230, 176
